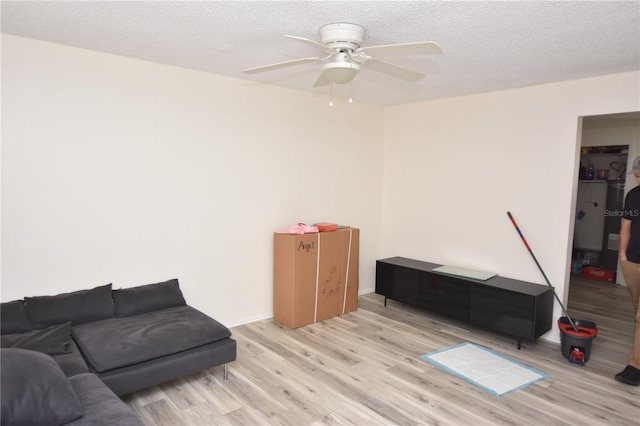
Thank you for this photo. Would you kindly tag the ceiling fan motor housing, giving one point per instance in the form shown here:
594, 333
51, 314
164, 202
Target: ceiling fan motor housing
342, 35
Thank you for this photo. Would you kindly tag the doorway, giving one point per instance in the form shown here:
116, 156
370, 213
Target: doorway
599, 205
609, 143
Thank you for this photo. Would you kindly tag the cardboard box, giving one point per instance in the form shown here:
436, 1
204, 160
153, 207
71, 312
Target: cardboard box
601, 274
315, 276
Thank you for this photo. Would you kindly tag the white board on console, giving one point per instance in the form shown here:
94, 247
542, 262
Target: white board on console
464, 272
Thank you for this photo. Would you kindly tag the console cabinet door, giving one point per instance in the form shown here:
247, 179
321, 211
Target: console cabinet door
445, 296
397, 283
384, 278
502, 311
406, 288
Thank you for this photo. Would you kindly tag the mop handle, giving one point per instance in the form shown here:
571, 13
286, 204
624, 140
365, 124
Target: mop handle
526, 244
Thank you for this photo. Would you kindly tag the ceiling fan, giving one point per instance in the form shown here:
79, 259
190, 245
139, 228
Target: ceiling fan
342, 44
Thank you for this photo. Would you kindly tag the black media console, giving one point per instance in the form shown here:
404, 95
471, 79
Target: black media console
515, 308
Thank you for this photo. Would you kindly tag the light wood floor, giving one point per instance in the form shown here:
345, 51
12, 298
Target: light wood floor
363, 368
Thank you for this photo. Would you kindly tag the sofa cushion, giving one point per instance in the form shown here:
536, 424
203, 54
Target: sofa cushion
72, 362
119, 342
100, 406
77, 307
51, 340
13, 318
147, 298
35, 391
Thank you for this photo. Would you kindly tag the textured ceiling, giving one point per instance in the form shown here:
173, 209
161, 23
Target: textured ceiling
487, 46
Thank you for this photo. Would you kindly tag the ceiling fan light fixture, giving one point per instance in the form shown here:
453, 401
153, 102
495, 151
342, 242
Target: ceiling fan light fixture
341, 72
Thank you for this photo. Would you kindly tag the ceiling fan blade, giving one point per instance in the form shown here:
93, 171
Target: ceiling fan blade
394, 70
322, 80
403, 49
313, 43
280, 65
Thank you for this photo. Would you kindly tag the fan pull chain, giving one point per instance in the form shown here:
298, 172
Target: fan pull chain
331, 94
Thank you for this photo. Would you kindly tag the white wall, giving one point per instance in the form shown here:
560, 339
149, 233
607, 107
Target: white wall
454, 167
122, 171
607, 130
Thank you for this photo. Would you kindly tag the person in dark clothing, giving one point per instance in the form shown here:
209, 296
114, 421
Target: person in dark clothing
629, 254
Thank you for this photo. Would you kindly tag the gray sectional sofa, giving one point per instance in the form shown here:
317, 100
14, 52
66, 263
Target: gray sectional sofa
129, 339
